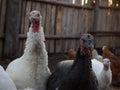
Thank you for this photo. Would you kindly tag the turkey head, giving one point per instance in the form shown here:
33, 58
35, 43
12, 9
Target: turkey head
35, 18
86, 43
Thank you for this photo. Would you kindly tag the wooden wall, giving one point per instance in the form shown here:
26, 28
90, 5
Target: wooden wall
64, 22
2, 22
61, 22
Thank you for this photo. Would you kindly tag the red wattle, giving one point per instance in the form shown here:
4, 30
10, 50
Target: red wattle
35, 26
105, 67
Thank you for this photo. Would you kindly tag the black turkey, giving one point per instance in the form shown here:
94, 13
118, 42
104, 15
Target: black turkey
80, 75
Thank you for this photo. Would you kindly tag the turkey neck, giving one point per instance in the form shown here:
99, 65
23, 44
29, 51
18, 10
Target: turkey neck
82, 63
34, 43
35, 25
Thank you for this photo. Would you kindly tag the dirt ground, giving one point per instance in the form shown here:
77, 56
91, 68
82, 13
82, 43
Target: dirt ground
53, 60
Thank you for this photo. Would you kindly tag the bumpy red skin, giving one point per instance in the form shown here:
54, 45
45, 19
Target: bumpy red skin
35, 26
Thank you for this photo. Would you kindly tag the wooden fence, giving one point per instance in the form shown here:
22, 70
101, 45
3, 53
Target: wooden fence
63, 21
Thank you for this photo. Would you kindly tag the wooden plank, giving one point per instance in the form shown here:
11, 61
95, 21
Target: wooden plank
104, 33
75, 30
12, 28
64, 26
52, 28
23, 17
26, 22
0, 9
97, 34
22, 27
60, 3
58, 29
38, 6
43, 13
3, 13
2, 23
34, 5
79, 29
96, 13
47, 24
109, 41
115, 21
26, 19
104, 2
78, 2
69, 27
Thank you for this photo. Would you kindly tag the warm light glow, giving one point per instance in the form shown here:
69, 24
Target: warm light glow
86, 1
117, 4
110, 2
109, 13
73, 1
93, 1
82, 2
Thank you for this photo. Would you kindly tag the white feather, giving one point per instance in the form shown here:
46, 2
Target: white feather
31, 69
96, 56
5, 81
104, 77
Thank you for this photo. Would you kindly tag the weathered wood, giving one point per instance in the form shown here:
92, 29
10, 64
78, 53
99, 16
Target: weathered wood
75, 30
26, 19
2, 14
96, 13
52, 28
33, 6
0, 8
12, 28
75, 5
63, 22
47, 24
69, 27
2, 23
58, 27
63, 27
38, 7
104, 33
22, 30
58, 3
43, 13
26, 25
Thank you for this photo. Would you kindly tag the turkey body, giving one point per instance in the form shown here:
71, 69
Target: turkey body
79, 76
31, 69
5, 81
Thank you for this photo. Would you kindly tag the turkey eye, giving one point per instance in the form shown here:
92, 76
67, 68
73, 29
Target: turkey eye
88, 36
33, 13
83, 40
38, 15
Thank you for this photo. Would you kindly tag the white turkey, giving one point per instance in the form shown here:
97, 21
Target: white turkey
78, 76
103, 73
31, 69
95, 55
5, 81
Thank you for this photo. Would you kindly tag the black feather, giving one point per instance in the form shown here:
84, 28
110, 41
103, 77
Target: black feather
79, 76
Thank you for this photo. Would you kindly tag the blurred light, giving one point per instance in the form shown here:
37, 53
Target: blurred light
117, 4
86, 1
82, 2
93, 1
110, 2
109, 13
73, 1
